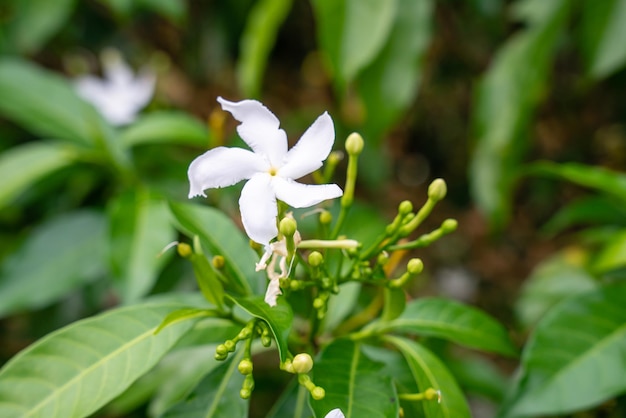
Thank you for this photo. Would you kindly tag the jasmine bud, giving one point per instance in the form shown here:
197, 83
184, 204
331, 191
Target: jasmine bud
315, 259
437, 190
449, 225
415, 266
326, 217
302, 363
218, 262
288, 226
405, 207
354, 144
318, 393
184, 250
245, 366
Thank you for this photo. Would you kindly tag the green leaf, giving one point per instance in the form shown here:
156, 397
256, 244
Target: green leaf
603, 33
612, 256
601, 179
555, 279
208, 282
588, 210
257, 40
76, 370
571, 361
351, 33
390, 83
166, 127
140, 227
453, 321
430, 372
46, 104
57, 257
505, 100
353, 382
220, 236
340, 306
278, 318
184, 314
395, 303
216, 396
33, 22
25, 164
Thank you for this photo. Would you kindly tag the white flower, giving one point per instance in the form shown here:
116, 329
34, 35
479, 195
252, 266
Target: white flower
335, 413
269, 168
119, 96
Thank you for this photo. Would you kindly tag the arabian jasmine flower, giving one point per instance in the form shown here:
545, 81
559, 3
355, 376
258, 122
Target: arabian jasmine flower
271, 169
335, 413
120, 95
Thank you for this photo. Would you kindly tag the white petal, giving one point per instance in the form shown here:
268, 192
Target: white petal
335, 413
300, 195
258, 209
273, 290
312, 148
116, 70
259, 128
222, 167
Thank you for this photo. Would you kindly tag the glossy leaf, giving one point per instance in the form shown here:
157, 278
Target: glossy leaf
569, 362
555, 279
216, 396
390, 83
220, 236
257, 40
33, 22
588, 210
210, 285
612, 255
166, 127
278, 318
453, 321
184, 314
76, 370
353, 383
352, 33
59, 256
601, 179
430, 372
140, 227
603, 33
59, 113
23, 165
505, 100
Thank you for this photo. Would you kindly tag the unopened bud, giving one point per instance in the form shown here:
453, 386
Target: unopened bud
383, 258
326, 217
449, 225
245, 393
334, 157
318, 393
230, 345
302, 363
354, 144
266, 340
245, 366
405, 207
437, 190
218, 262
315, 259
415, 266
184, 250
288, 226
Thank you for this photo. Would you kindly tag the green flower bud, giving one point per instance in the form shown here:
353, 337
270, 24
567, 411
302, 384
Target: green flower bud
405, 207
318, 303
220, 357
318, 393
315, 259
354, 144
266, 340
415, 266
449, 225
288, 226
437, 190
221, 350
244, 333
383, 258
245, 393
218, 262
302, 363
334, 157
326, 217
184, 250
245, 366
230, 345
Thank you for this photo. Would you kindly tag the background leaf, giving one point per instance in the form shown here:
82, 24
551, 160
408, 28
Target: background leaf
25, 164
220, 236
166, 127
278, 318
453, 321
77, 369
353, 383
430, 372
140, 227
58, 257
569, 362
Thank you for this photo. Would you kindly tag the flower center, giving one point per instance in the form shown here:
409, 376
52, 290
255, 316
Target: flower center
273, 171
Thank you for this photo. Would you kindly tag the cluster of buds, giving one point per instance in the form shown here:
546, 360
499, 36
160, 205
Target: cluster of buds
301, 365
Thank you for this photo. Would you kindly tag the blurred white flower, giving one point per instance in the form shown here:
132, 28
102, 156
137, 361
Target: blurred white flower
120, 95
335, 413
269, 168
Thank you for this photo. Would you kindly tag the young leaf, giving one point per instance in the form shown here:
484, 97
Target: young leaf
216, 396
220, 236
25, 164
352, 33
453, 321
569, 362
430, 372
353, 383
278, 318
257, 40
59, 256
140, 227
76, 370
166, 127
504, 103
